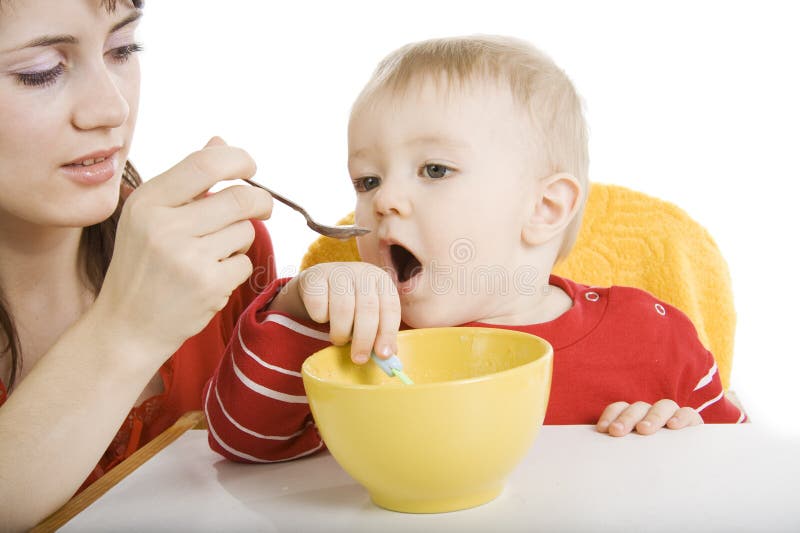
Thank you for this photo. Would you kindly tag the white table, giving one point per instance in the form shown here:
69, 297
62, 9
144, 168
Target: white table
708, 478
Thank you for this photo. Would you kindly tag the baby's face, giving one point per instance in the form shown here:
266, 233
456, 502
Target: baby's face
444, 180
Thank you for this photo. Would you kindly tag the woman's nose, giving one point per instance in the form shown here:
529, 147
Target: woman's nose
102, 104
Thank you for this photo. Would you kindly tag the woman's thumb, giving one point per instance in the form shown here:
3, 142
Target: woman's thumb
215, 141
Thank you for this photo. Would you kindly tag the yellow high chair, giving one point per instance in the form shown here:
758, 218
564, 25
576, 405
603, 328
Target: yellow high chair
629, 238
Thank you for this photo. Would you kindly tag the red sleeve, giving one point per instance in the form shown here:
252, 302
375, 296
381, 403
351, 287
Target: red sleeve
255, 403
698, 384
263, 260
264, 270
660, 356
707, 397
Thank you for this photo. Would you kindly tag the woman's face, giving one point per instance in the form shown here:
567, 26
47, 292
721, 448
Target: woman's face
69, 93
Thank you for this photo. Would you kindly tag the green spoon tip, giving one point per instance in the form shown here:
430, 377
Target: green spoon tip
402, 375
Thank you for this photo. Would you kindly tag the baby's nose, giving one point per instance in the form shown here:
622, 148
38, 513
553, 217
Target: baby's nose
392, 199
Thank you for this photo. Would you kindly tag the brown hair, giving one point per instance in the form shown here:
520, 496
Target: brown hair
97, 246
110, 5
535, 81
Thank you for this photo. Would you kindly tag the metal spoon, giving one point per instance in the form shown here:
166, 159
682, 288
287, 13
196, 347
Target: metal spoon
336, 232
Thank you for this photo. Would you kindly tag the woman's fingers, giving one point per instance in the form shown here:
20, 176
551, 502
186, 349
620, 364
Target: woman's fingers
178, 258
197, 173
233, 239
232, 272
223, 208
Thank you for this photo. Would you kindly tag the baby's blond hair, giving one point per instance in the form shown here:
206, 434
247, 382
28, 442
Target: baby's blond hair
533, 78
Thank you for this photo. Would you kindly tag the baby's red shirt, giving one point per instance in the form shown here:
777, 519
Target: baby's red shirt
613, 344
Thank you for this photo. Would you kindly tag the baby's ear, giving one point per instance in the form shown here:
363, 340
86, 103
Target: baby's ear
555, 205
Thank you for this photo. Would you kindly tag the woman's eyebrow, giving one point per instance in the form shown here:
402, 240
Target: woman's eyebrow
50, 40
133, 17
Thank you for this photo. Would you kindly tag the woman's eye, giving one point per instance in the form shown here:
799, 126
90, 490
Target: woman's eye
40, 78
44, 78
366, 184
124, 53
436, 171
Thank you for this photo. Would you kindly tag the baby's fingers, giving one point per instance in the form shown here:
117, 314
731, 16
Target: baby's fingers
313, 289
626, 421
386, 340
684, 417
365, 324
610, 414
657, 417
377, 318
341, 305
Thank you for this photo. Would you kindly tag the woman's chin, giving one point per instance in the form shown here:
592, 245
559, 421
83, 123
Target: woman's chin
89, 215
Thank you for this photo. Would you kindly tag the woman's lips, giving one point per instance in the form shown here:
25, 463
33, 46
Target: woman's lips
92, 170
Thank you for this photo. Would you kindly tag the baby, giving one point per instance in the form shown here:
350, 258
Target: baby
469, 157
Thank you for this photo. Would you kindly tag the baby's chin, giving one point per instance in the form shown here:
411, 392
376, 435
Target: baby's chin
419, 318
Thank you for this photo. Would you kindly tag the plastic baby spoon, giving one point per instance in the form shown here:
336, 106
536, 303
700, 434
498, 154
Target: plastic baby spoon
393, 368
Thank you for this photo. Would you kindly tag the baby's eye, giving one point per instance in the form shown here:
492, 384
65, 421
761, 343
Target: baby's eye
436, 171
366, 184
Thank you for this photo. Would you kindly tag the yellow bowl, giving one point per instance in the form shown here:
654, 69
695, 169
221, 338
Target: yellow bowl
449, 441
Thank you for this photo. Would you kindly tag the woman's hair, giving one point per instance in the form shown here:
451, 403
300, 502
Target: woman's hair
535, 81
110, 5
97, 246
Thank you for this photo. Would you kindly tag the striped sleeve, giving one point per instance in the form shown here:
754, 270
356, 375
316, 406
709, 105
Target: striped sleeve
707, 396
255, 403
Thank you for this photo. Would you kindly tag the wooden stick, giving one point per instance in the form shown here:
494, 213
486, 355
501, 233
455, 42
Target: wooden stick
79, 502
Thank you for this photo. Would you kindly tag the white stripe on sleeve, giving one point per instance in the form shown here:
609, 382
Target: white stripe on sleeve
263, 363
297, 327
250, 431
265, 391
249, 457
711, 401
705, 380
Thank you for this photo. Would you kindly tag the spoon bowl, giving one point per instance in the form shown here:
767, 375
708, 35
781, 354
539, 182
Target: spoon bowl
335, 232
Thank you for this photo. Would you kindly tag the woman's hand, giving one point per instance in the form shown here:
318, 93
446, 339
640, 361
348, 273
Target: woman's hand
180, 253
620, 418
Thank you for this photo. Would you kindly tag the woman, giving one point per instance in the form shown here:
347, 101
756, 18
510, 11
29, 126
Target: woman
87, 336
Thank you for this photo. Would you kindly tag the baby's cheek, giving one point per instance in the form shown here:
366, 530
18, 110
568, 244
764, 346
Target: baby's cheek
367, 249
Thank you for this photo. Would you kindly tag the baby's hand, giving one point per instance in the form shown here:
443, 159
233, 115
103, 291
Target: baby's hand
620, 418
358, 300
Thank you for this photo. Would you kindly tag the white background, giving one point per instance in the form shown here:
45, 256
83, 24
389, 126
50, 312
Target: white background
693, 102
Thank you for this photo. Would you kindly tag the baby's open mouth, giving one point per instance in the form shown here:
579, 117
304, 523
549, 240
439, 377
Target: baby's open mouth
405, 264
